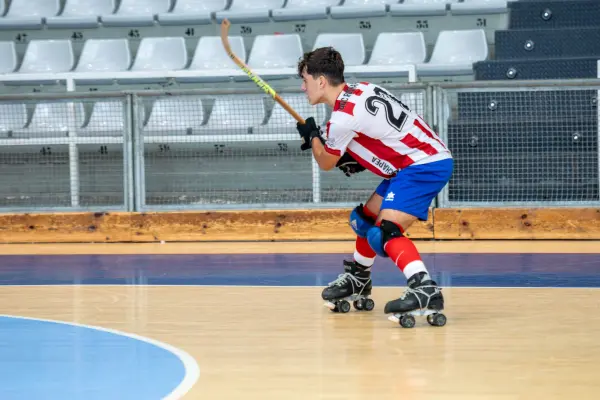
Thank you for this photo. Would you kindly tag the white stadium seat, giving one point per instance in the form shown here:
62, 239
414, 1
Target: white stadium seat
192, 12
361, 8
210, 54
51, 120
210, 57
8, 57
420, 7
275, 56
175, 116
282, 123
275, 51
81, 14
455, 52
479, 7
104, 55
391, 51
300, 10
161, 54
43, 56
249, 10
234, 115
28, 14
350, 45
107, 119
398, 48
12, 116
136, 13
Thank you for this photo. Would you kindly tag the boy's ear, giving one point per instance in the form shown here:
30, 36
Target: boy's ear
322, 81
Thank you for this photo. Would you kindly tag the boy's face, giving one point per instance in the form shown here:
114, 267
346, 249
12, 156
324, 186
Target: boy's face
314, 88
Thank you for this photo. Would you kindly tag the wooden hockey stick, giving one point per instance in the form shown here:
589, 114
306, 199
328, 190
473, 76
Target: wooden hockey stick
255, 78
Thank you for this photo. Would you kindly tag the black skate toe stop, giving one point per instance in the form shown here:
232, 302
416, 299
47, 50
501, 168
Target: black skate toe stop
388, 309
326, 294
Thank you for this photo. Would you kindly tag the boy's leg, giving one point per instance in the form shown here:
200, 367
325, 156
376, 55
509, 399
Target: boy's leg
363, 253
407, 200
355, 283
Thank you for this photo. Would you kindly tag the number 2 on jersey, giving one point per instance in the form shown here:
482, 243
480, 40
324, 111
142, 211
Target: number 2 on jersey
382, 98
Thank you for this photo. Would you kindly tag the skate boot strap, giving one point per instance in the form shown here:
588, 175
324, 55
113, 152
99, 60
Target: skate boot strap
420, 279
355, 268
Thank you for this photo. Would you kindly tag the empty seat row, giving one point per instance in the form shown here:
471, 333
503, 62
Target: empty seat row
229, 115
454, 53
89, 13
55, 119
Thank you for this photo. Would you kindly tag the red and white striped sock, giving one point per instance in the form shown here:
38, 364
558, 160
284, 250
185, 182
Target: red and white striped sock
405, 255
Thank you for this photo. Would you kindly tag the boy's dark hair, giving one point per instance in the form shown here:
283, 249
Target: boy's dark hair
324, 61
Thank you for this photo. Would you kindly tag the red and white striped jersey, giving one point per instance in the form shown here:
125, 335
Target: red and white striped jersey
380, 132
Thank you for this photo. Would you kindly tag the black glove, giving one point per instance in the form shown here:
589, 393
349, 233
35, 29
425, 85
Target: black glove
308, 131
348, 165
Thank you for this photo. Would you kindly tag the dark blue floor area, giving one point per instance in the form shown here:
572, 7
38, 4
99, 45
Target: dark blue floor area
482, 270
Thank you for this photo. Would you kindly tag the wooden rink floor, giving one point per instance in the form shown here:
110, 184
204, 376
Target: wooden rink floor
246, 321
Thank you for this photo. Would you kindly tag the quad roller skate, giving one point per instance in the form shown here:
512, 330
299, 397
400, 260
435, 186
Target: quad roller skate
423, 297
354, 285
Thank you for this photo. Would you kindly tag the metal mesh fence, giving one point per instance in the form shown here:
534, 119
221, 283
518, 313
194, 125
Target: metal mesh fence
516, 146
101, 175
222, 150
239, 151
512, 145
62, 153
34, 176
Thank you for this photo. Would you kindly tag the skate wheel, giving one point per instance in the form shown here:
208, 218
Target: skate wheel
343, 306
369, 305
358, 304
407, 321
438, 320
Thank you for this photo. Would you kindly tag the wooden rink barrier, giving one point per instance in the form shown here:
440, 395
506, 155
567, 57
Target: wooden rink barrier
289, 225
517, 223
183, 226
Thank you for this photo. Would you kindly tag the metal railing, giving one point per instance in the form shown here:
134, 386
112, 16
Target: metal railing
71, 79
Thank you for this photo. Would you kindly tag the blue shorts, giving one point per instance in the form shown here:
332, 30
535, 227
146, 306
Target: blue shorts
413, 189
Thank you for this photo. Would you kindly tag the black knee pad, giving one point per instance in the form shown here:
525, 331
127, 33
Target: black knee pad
389, 231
